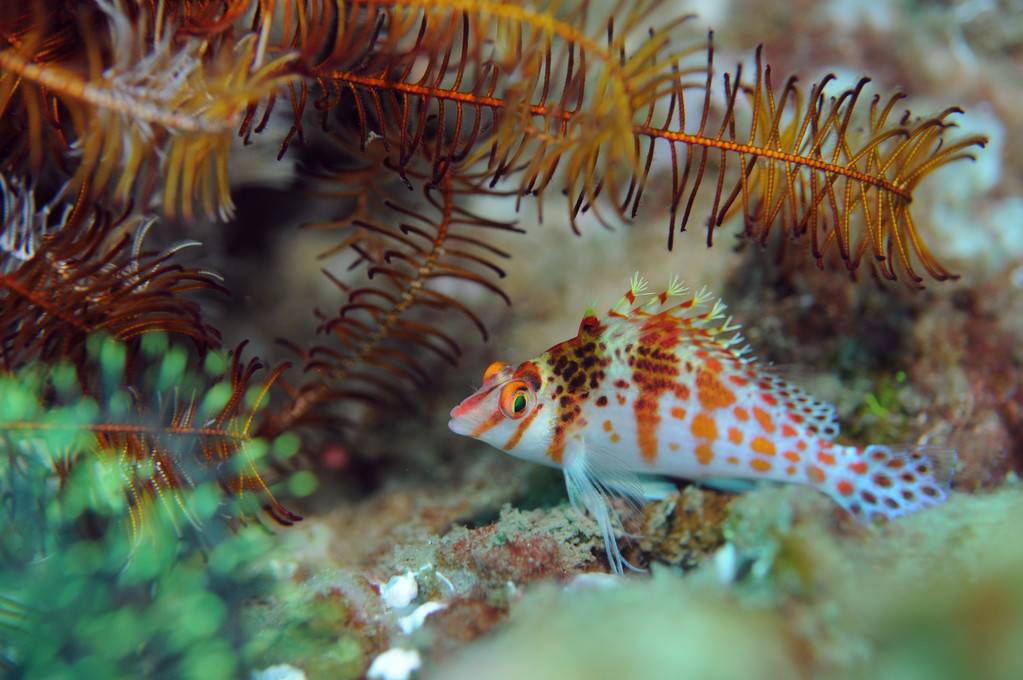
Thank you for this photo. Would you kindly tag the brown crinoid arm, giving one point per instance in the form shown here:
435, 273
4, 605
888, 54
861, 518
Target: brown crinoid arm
818, 169
415, 260
132, 99
152, 430
85, 279
595, 105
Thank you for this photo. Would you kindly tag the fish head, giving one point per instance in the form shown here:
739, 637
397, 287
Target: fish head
508, 411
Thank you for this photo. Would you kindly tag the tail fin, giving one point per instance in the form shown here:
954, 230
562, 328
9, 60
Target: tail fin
889, 482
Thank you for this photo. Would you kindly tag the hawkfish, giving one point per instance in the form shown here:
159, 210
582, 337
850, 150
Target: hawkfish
663, 385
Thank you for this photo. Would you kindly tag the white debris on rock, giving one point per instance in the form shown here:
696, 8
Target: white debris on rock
279, 672
415, 620
395, 664
400, 591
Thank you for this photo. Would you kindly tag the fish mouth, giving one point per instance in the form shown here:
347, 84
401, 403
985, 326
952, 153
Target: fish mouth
458, 425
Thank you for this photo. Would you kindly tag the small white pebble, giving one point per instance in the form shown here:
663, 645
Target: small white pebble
395, 664
279, 672
726, 562
594, 581
400, 591
415, 620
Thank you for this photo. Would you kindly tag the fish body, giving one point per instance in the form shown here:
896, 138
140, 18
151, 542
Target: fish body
661, 386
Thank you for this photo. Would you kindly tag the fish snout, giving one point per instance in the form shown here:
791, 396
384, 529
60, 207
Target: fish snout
459, 423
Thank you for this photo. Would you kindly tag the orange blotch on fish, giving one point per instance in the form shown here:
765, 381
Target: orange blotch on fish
815, 474
760, 465
704, 426
608, 426
801, 445
679, 413
793, 456
763, 446
764, 418
673, 446
825, 458
621, 399
740, 413
735, 435
614, 437
737, 381
788, 431
859, 467
845, 487
711, 392
734, 460
682, 392
790, 470
769, 399
713, 364
796, 418
704, 454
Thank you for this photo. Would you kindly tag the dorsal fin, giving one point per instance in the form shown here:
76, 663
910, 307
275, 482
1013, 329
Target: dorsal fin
674, 307
818, 415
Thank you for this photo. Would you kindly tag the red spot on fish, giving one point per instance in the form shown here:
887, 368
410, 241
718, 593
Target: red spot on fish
621, 399
764, 419
704, 426
859, 467
826, 458
647, 419
792, 455
763, 446
882, 480
737, 381
704, 454
815, 474
788, 431
713, 364
740, 413
845, 487
679, 413
711, 392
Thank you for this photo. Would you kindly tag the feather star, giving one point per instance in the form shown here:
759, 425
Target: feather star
658, 388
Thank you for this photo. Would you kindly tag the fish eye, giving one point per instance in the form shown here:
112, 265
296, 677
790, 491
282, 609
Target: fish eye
516, 399
493, 369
